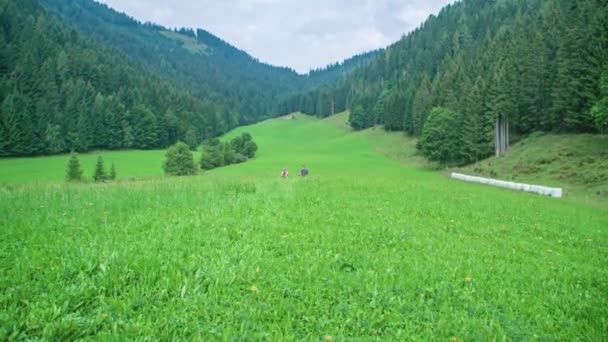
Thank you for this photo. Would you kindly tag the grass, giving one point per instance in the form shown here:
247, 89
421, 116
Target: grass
134, 164
366, 248
577, 163
191, 44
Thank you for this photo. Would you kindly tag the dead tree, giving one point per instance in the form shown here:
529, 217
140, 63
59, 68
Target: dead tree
501, 135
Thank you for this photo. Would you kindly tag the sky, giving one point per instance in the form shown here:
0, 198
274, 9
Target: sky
300, 34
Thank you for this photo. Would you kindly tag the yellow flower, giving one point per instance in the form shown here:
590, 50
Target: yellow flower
549, 251
327, 338
468, 279
253, 288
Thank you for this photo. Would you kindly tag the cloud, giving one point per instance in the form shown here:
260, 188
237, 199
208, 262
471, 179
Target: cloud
298, 34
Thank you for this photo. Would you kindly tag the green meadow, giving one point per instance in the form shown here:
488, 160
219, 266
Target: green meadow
370, 246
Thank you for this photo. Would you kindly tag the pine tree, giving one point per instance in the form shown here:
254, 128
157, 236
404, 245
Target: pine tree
422, 105
74, 172
112, 175
100, 172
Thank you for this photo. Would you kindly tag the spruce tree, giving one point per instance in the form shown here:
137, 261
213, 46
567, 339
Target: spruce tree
74, 172
100, 172
112, 175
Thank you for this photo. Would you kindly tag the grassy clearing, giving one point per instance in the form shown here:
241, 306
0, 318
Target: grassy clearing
577, 163
136, 164
191, 44
365, 248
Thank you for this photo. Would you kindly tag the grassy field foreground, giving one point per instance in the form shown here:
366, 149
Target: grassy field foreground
365, 248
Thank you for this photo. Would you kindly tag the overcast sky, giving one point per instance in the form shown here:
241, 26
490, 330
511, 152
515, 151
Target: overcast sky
301, 34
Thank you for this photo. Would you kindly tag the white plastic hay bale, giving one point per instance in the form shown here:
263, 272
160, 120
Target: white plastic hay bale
539, 189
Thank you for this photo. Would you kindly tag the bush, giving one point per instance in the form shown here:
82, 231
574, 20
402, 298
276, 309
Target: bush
239, 158
440, 136
238, 150
212, 157
250, 149
228, 154
74, 172
179, 161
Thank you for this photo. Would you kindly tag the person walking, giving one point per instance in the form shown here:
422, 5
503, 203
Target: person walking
304, 171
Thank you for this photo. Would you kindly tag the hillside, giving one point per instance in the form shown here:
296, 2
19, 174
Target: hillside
198, 61
577, 163
536, 63
62, 91
77, 75
224, 74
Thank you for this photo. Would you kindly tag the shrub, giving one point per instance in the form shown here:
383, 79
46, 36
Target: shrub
179, 160
239, 158
228, 154
74, 172
250, 149
212, 157
440, 136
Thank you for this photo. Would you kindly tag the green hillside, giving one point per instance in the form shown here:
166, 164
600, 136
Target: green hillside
364, 248
541, 65
577, 163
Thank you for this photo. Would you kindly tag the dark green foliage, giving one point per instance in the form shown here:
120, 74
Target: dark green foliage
100, 172
74, 172
217, 154
228, 153
239, 158
599, 112
440, 136
250, 149
212, 157
112, 175
179, 161
358, 118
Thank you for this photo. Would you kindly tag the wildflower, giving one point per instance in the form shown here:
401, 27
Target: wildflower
327, 338
549, 251
38, 268
253, 289
454, 339
468, 279
104, 315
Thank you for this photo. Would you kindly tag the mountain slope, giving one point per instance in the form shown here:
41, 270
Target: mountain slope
60, 91
536, 62
77, 75
229, 76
